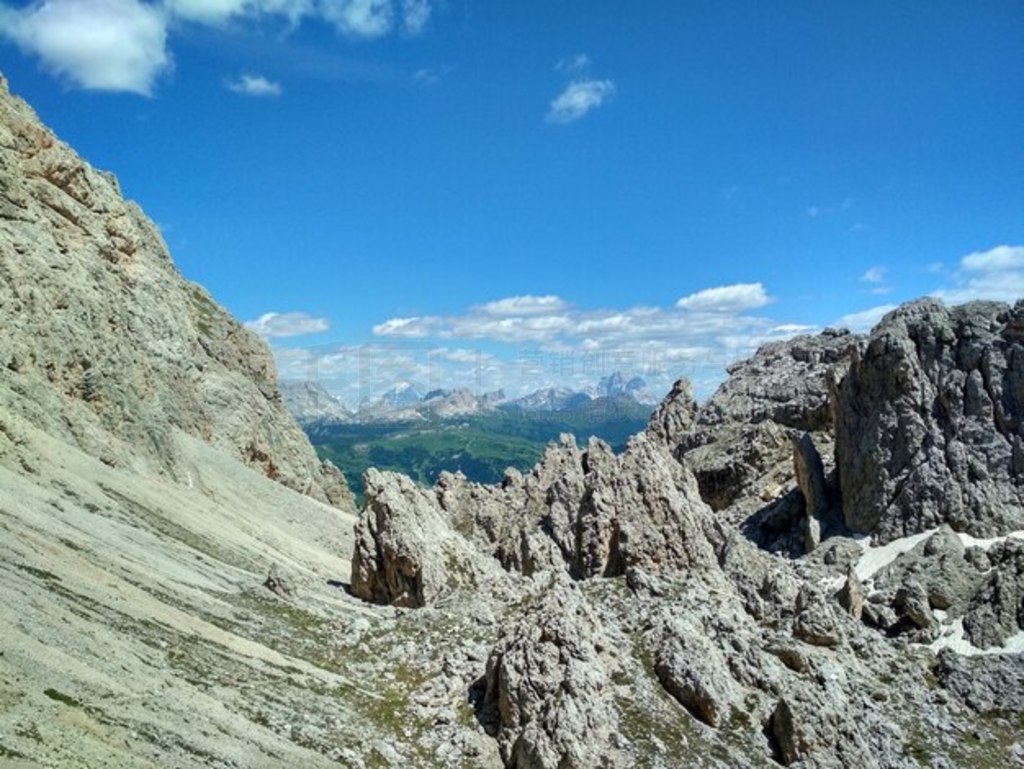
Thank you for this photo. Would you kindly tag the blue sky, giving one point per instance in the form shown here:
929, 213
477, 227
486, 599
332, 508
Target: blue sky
532, 193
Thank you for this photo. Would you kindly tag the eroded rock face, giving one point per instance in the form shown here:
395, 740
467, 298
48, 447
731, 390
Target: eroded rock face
105, 345
738, 443
928, 422
578, 511
549, 683
406, 553
784, 382
694, 670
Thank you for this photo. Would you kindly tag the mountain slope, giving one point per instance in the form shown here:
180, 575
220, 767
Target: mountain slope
105, 345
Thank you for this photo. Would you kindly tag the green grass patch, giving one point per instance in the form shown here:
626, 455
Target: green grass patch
64, 699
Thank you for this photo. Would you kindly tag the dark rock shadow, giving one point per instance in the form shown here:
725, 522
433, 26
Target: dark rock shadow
485, 711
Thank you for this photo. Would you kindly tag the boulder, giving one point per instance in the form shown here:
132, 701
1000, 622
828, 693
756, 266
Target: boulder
406, 553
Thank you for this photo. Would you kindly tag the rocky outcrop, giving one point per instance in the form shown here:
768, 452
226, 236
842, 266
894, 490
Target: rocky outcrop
576, 512
995, 611
991, 683
929, 420
106, 346
738, 443
695, 671
406, 553
549, 687
784, 382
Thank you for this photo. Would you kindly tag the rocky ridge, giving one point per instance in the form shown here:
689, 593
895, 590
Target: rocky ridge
715, 565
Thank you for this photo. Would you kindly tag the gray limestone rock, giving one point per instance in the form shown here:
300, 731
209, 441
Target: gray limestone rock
928, 422
107, 346
548, 682
991, 683
996, 610
590, 513
810, 478
406, 553
815, 622
739, 447
695, 671
851, 595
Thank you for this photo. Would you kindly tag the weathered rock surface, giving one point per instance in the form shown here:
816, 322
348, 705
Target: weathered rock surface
106, 346
996, 609
406, 553
929, 419
549, 684
694, 670
739, 443
988, 684
576, 511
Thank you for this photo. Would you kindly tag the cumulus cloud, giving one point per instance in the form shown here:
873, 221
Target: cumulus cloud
994, 274
360, 18
579, 98
122, 45
415, 16
106, 45
273, 325
254, 85
574, 346
732, 298
864, 320
524, 305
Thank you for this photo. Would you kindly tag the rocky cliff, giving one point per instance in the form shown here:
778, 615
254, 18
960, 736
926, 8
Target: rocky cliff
105, 344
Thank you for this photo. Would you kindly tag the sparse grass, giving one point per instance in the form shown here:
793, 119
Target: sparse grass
65, 699
6, 752
40, 573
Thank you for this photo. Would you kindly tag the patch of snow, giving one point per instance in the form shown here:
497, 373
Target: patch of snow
986, 544
874, 559
953, 638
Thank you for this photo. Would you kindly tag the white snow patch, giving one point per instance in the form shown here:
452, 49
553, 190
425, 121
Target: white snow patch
874, 559
953, 638
986, 544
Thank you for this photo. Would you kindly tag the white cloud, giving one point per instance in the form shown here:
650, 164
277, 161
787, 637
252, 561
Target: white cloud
359, 18
415, 16
578, 62
122, 45
994, 274
410, 327
272, 325
254, 85
864, 320
873, 275
524, 305
529, 342
733, 298
579, 98
207, 11
107, 45
998, 259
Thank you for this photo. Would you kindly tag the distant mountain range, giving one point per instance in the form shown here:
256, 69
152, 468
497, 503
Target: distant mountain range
311, 404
